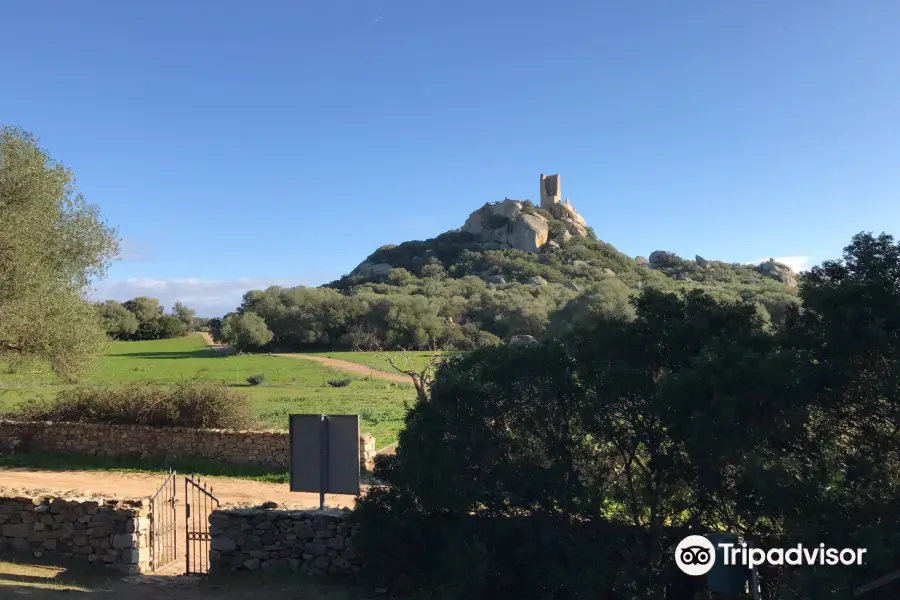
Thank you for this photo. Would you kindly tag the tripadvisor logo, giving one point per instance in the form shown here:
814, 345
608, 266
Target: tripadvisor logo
696, 555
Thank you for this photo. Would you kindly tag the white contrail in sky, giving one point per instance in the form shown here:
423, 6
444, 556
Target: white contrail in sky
375, 21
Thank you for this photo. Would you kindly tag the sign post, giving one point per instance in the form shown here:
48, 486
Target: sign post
324, 455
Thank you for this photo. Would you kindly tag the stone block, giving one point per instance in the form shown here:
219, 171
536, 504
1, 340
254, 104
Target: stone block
18, 530
222, 544
125, 540
131, 556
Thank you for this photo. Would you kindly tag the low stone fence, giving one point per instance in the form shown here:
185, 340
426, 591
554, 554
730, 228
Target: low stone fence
261, 448
314, 542
110, 532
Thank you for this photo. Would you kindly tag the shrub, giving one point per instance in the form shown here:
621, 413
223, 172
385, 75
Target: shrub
256, 379
196, 403
556, 228
338, 383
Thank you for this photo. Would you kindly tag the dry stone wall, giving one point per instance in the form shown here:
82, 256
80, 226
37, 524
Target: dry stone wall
314, 542
110, 532
261, 448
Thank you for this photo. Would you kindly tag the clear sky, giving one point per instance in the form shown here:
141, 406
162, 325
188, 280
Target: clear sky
238, 144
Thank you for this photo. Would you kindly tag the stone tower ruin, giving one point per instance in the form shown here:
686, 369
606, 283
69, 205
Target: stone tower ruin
551, 190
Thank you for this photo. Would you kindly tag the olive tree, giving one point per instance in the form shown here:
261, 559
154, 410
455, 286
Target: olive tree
53, 244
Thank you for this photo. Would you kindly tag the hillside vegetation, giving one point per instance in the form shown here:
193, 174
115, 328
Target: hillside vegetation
450, 292
593, 455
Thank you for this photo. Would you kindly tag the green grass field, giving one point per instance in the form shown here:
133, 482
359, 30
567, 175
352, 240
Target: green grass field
291, 385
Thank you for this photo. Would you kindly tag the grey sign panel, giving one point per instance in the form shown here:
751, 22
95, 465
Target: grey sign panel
343, 454
324, 454
306, 453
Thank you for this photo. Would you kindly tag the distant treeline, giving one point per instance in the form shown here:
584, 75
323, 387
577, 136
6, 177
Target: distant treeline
144, 318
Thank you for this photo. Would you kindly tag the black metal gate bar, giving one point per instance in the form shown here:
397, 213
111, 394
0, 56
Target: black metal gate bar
199, 503
163, 526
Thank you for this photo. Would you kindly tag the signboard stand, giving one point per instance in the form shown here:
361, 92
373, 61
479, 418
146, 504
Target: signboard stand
323, 463
324, 455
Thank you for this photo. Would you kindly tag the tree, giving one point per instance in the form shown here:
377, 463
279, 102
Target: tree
144, 308
52, 246
120, 323
243, 330
188, 316
170, 326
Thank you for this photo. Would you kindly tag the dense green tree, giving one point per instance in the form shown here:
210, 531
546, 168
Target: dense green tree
187, 316
145, 309
120, 323
53, 244
695, 410
241, 331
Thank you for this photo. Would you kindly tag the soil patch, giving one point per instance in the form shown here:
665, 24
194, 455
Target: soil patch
350, 367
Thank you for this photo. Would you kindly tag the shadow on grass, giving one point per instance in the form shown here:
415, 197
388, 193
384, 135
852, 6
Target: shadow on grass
48, 461
22, 575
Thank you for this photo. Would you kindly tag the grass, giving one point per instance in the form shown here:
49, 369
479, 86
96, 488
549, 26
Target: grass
48, 461
418, 360
291, 385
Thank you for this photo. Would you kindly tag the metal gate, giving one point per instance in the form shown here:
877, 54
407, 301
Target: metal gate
163, 526
199, 503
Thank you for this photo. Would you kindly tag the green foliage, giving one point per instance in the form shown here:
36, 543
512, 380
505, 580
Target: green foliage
256, 379
241, 331
52, 246
693, 413
196, 403
119, 322
556, 229
143, 318
339, 383
187, 316
436, 295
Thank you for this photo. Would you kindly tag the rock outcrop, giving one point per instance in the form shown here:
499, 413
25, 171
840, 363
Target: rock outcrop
575, 223
778, 271
509, 224
369, 270
503, 225
659, 258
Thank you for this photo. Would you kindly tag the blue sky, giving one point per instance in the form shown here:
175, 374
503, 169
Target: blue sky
238, 144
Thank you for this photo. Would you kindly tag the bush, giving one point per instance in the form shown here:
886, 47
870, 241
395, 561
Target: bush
256, 379
556, 228
197, 403
338, 383
480, 556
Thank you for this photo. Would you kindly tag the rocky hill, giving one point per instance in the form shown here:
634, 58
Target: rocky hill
512, 269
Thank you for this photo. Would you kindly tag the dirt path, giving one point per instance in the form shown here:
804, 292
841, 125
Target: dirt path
139, 485
334, 363
213, 345
350, 367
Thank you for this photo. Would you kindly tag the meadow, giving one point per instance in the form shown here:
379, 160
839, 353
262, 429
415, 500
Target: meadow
291, 385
